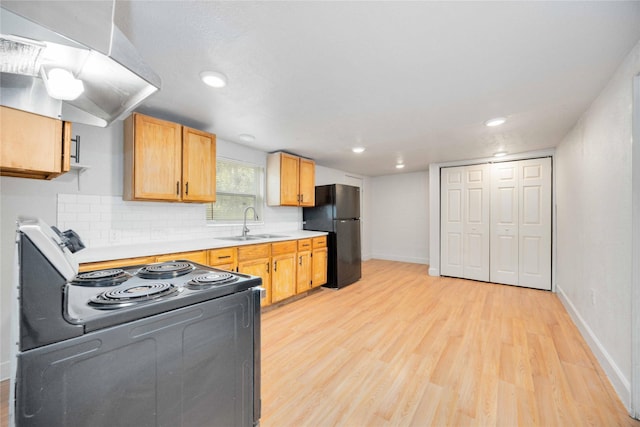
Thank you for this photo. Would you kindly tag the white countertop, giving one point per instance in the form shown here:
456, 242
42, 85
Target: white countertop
166, 247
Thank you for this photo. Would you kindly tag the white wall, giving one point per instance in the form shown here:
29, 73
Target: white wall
593, 177
101, 149
400, 217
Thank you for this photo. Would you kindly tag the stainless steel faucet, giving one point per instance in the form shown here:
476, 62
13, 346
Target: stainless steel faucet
245, 230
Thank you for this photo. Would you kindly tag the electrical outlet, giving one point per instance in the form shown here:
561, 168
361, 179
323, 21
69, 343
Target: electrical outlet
114, 236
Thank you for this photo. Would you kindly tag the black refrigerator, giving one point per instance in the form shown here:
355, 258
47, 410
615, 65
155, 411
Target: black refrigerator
337, 211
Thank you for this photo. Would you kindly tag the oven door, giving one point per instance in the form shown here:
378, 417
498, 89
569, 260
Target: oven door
193, 366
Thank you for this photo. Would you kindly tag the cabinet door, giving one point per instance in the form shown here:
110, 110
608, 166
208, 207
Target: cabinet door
319, 267
283, 279
260, 268
304, 272
289, 174
157, 159
33, 146
307, 182
198, 166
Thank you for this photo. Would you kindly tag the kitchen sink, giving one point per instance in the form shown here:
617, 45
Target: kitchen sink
252, 237
241, 238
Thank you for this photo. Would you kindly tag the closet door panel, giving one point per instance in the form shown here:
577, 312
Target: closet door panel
476, 222
504, 223
451, 224
535, 224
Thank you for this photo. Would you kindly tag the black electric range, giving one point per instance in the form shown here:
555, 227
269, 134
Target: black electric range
167, 344
103, 298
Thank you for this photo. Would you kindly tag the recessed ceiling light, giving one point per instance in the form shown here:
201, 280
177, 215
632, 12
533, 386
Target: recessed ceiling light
357, 149
497, 121
399, 166
214, 79
500, 154
246, 137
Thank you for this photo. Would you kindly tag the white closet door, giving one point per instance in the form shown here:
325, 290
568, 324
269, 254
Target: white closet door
504, 223
535, 223
476, 222
451, 225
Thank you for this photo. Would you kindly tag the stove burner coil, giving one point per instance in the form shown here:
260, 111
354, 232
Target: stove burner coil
165, 270
211, 279
126, 296
110, 277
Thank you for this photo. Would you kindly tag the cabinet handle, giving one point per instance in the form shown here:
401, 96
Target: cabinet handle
178, 188
267, 267
300, 262
187, 189
275, 266
301, 198
224, 256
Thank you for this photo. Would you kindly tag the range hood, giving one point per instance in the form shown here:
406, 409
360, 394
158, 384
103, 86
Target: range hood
81, 38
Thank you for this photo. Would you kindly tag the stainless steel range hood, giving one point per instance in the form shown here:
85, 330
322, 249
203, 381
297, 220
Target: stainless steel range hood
80, 37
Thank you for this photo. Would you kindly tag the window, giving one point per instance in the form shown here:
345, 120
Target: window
238, 185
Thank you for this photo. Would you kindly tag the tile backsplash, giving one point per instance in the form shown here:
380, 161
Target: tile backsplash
110, 221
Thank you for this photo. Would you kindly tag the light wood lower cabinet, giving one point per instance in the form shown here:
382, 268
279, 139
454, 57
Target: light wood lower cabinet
224, 258
319, 259
256, 261
303, 282
286, 268
283, 279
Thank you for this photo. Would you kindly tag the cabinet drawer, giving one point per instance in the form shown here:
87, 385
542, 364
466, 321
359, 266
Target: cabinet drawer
116, 263
319, 242
254, 252
222, 256
198, 256
287, 247
304, 245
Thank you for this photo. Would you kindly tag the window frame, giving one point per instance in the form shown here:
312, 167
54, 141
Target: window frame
259, 195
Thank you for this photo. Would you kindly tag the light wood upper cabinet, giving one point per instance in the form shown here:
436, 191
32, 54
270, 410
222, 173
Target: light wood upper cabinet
33, 146
307, 182
198, 165
290, 180
165, 161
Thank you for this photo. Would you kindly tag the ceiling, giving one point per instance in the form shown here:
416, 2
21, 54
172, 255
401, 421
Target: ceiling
410, 81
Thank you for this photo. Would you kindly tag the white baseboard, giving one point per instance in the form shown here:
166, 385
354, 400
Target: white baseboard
621, 384
414, 260
434, 271
4, 370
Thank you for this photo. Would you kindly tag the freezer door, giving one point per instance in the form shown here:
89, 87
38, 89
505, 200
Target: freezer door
347, 201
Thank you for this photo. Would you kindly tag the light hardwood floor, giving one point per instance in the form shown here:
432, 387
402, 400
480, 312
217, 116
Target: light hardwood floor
400, 348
